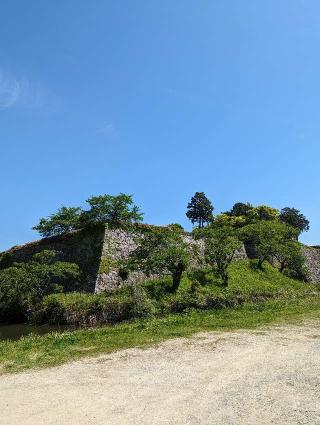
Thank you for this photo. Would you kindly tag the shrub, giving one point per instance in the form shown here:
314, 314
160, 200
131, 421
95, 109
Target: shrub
84, 309
176, 227
23, 285
157, 288
92, 309
221, 244
140, 304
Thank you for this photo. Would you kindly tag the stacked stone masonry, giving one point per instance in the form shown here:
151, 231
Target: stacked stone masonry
118, 245
99, 253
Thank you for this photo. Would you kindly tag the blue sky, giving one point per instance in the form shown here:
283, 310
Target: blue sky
158, 99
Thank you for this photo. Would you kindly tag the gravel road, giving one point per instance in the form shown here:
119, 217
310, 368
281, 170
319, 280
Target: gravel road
270, 376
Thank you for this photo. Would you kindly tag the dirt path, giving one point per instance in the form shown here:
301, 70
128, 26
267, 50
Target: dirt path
259, 377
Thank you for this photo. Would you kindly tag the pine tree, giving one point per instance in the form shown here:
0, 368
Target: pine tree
200, 209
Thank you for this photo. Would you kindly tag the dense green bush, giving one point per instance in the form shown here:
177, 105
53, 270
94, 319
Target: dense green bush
83, 309
23, 285
176, 227
91, 309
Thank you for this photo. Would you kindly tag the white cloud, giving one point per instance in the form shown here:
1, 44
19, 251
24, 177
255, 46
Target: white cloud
19, 91
10, 91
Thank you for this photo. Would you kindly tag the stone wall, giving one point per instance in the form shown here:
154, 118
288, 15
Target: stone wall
312, 256
99, 252
117, 246
81, 247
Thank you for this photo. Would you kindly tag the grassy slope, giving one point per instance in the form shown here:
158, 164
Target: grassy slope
293, 300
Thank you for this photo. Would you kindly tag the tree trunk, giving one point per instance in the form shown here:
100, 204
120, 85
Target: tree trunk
225, 278
176, 278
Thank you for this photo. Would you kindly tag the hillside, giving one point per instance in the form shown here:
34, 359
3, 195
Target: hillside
254, 297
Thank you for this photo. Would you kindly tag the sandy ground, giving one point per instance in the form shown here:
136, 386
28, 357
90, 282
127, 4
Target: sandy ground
270, 376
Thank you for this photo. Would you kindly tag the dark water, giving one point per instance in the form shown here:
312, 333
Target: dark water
14, 332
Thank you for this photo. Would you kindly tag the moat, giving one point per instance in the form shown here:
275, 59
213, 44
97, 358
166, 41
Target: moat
17, 331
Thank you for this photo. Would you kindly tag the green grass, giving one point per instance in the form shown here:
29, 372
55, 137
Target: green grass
247, 283
278, 299
57, 348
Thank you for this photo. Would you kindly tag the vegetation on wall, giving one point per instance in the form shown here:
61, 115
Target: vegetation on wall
116, 211
65, 220
201, 286
30, 290
162, 251
242, 214
108, 264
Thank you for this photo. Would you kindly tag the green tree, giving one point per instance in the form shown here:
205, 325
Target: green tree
221, 244
294, 218
234, 221
163, 251
266, 238
116, 210
242, 214
200, 209
240, 209
263, 212
65, 220
176, 227
290, 259
23, 285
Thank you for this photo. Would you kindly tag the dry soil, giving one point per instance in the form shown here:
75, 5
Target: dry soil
270, 376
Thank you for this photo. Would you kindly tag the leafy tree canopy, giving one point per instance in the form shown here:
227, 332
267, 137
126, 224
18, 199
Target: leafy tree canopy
290, 259
221, 244
294, 218
267, 238
240, 209
200, 209
23, 285
163, 251
243, 214
65, 220
116, 210
225, 219
263, 212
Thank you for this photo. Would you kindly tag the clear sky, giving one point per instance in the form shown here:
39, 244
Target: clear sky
158, 99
